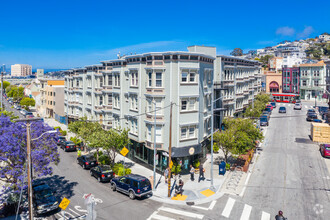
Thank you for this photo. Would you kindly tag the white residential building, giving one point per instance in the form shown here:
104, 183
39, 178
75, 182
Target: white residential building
124, 93
21, 70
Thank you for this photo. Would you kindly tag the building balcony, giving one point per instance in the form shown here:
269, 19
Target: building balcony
155, 91
227, 98
98, 90
107, 126
240, 95
239, 109
228, 83
228, 102
107, 108
246, 92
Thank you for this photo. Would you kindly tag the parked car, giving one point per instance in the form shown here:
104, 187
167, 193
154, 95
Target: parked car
264, 121
103, 173
297, 106
266, 113
59, 140
311, 116
317, 121
268, 110
68, 146
282, 109
29, 115
269, 106
273, 104
311, 111
87, 161
325, 150
23, 112
133, 185
43, 199
19, 108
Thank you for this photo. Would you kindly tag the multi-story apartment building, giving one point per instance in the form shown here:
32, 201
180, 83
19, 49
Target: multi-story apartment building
21, 70
242, 80
51, 101
124, 93
291, 80
275, 64
313, 80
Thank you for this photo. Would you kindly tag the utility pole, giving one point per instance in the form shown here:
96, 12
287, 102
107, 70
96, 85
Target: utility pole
169, 154
29, 163
29, 167
155, 115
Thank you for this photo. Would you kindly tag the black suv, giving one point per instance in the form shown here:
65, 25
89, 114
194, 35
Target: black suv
311, 116
103, 173
68, 146
87, 161
133, 185
43, 199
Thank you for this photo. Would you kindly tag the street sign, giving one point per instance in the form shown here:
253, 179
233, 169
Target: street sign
171, 164
124, 151
65, 202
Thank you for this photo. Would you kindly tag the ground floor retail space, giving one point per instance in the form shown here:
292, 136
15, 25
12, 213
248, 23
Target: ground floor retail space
183, 157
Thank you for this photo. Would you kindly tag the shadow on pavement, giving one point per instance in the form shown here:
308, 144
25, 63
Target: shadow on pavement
61, 186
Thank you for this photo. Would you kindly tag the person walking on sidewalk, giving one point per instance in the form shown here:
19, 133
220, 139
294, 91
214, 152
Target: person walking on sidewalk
192, 173
201, 173
166, 174
78, 153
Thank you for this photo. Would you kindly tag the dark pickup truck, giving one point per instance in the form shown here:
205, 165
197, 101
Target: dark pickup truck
43, 199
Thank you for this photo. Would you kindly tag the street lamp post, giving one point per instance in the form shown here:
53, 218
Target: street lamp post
2, 90
29, 164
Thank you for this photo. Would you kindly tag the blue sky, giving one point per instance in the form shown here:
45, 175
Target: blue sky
72, 33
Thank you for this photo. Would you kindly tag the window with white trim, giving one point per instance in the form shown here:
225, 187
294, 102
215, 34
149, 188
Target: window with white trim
150, 79
109, 80
116, 101
188, 104
188, 132
188, 76
117, 80
101, 100
134, 78
109, 99
149, 133
159, 81
159, 136
184, 76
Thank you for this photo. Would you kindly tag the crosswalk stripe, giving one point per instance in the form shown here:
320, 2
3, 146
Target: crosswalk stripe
246, 212
229, 206
265, 216
175, 211
305, 106
159, 217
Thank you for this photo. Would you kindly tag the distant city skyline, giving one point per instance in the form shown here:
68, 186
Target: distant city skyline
67, 34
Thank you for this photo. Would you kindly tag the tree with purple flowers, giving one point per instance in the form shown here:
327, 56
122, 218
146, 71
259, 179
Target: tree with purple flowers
13, 157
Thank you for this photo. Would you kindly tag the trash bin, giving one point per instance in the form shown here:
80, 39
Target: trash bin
222, 168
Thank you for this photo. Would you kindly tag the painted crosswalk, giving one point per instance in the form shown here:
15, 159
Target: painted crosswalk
232, 210
166, 213
232, 207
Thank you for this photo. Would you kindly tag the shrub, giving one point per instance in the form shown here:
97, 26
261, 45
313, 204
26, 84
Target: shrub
116, 167
76, 140
63, 132
59, 128
121, 171
104, 159
196, 163
176, 168
227, 166
215, 148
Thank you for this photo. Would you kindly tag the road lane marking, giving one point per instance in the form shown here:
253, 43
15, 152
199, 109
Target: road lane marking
265, 216
246, 182
159, 217
212, 204
179, 212
204, 208
229, 206
246, 212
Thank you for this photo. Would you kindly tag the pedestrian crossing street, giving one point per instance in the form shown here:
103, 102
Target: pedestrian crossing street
231, 210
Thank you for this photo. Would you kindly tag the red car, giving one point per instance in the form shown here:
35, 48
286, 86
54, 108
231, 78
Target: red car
325, 150
270, 106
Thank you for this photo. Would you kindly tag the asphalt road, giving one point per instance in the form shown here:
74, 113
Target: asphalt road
8, 108
290, 174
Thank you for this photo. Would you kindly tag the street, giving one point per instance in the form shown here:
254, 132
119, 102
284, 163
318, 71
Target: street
289, 175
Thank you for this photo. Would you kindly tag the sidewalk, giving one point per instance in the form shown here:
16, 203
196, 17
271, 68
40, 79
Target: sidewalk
194, 192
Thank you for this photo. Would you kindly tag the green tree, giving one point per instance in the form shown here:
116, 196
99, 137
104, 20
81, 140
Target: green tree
114, 142
237, 52
239, 137
8, 113
26, 101
5, 84
265, 60
17, 93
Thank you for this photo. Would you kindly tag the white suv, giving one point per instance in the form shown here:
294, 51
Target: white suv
297, 106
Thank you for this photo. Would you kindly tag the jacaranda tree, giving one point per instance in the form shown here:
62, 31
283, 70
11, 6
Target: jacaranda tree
13, 157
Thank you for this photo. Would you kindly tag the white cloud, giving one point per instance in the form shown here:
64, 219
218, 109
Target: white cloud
306, 32
285, 31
